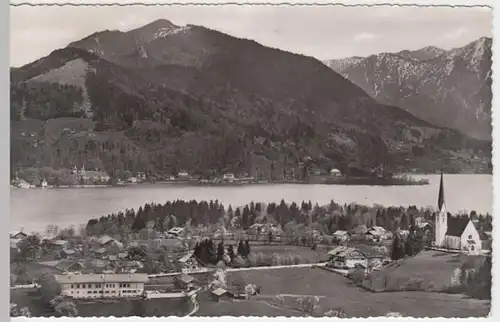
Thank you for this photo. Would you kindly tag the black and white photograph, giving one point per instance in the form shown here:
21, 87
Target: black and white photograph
251, 160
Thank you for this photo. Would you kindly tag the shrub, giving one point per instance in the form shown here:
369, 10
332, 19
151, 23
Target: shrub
414, 284
239, 262
252, 260
339, 313
50, 288
264, 260
309, 304
276, 260
64, 307
221, 265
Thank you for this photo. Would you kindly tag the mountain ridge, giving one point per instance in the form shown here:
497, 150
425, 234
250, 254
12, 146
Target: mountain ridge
202, 100
458, 81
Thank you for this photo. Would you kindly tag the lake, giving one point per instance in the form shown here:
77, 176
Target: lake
34, 209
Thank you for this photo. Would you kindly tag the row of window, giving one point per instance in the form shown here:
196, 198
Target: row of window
108, 292
99, 285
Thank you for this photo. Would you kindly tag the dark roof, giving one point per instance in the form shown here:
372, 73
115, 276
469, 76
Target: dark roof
456, 226
482, 234
369, 251
64, 265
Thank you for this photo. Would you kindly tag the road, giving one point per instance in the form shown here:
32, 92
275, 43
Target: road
245, 269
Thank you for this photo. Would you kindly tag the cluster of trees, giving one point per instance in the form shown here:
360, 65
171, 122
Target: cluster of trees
50, 292
409, 245
208, 253
294, 219
475, 283
43, 101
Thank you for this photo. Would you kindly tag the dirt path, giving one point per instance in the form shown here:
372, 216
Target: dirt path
246, 269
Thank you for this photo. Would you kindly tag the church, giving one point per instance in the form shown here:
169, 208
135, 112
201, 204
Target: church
455, 233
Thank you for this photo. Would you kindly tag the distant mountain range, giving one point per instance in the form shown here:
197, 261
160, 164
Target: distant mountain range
162, 98
449, 88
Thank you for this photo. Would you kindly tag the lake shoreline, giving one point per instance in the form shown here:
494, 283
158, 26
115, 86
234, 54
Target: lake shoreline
229, 184
33, 209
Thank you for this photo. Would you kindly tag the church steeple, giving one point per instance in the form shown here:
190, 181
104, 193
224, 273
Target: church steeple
441, 193
441, 221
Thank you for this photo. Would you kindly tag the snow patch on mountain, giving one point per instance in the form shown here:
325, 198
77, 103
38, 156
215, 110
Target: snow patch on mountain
165, 32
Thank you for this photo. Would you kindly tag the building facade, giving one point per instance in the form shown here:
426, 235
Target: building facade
88, 286
455, 233
343, 257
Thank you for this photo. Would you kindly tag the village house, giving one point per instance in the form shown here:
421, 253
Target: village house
66, 253
88, 286
376, 255
183, 175
18, 235
229, 177
106, 241
100, 252
189, 263
425, 226
219, 294
377, 233
90, 177
59, 244
343, 257
14, 244
185, 282
335, 173
175, 231
341, 235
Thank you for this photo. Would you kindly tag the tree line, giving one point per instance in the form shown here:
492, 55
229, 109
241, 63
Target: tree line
202, 217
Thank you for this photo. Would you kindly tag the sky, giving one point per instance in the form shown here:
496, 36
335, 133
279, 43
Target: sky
322, 32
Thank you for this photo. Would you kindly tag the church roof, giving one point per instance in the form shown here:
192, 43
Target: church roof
456, 226
482, 234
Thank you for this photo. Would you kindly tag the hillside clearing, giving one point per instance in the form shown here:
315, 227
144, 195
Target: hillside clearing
338, 293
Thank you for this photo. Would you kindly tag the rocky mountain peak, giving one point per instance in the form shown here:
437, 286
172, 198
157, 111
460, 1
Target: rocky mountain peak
448, 88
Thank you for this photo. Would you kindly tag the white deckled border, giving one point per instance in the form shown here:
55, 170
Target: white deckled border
4, 80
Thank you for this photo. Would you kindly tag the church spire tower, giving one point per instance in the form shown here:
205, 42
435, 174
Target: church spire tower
441, 193
441, 220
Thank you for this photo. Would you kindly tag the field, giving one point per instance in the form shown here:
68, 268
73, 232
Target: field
127, 307
30, 298
135, 307
306, 254
434, 268
336, 293
243, 308
27, 272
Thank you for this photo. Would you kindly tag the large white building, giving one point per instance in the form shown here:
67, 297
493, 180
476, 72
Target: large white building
455, 233
87, 286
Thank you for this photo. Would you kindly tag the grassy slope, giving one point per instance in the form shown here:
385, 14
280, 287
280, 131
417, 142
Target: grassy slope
338, 293
434, 268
